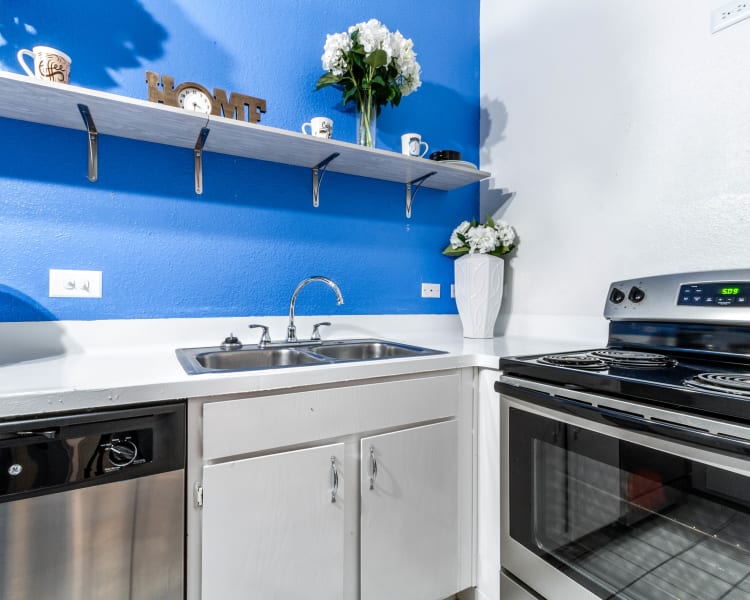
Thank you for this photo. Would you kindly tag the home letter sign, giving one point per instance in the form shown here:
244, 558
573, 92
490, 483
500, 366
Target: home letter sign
238, 106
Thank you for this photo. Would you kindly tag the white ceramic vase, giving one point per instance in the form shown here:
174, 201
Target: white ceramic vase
479, 293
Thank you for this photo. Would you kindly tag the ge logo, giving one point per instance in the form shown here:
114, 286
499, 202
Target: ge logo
14, 470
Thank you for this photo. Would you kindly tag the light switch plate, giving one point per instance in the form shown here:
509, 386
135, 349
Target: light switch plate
68, 283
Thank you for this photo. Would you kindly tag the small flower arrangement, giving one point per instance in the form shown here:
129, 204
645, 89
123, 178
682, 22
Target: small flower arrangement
371, 65
495, 237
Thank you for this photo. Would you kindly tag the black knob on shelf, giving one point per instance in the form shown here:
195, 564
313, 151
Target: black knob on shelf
616, 296
636, 294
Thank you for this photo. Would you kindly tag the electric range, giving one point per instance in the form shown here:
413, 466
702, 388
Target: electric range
625, 469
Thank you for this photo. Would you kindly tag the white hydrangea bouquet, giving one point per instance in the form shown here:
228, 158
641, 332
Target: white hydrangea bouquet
495, 237
372, 67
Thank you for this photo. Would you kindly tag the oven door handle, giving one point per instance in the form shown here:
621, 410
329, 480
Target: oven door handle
608, 416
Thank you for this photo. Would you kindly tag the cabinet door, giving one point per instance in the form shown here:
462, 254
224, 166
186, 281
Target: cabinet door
270, 530
409, 536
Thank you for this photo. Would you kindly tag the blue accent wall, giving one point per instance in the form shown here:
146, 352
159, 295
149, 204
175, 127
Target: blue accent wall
242, 246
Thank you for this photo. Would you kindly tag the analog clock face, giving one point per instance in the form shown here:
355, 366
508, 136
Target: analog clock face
192, 98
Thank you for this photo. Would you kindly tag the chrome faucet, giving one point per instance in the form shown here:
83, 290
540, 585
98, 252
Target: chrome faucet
291, 330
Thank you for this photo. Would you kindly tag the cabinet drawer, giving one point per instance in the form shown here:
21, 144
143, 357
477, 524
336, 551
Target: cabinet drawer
246, 425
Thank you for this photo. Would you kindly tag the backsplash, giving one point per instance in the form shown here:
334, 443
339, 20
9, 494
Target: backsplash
242, 246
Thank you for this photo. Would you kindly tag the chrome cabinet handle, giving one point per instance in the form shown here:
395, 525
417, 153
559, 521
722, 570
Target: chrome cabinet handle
373, 468
334, 479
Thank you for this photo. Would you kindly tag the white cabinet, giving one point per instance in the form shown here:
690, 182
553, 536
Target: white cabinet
409, 532
266, 527
273, 526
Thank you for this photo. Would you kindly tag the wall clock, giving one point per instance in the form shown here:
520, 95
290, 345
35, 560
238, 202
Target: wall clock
193, 96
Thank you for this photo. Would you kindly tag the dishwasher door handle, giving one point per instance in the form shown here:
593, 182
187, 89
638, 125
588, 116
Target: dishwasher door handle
47, 434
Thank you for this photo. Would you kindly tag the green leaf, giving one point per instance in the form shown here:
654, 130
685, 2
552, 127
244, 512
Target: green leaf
378, 80
490, 222
327, 79
349, 94
450, 251
358, 60
377, 59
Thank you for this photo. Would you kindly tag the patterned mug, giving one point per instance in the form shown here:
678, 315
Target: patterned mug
320, 127
50, 64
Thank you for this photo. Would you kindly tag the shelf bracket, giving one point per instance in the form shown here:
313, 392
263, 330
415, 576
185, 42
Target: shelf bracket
93, 143
410, 194
317, 176
198, 156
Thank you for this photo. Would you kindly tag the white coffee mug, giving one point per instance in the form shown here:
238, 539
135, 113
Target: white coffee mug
321, 127
50, 64
411, 144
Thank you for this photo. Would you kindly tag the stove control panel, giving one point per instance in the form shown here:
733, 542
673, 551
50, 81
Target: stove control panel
731, 293
705, 297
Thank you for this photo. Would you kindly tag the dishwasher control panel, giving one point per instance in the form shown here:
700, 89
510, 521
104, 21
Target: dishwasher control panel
39, 456
124, 449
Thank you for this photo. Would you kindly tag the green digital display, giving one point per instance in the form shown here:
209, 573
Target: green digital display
730, 291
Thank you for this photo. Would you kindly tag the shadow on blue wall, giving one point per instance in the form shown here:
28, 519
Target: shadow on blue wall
121, 33
17, 307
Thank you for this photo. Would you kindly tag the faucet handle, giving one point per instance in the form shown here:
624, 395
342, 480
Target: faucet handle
265, 338
316, 333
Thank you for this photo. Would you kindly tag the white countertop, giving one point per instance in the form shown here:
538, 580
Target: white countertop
64, 366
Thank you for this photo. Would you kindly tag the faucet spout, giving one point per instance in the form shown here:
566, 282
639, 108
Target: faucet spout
291, 330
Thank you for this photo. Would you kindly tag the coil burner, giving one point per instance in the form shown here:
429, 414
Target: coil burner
726, 383
633, 359
579, 360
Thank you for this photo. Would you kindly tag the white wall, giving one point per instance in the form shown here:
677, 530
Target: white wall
621, 129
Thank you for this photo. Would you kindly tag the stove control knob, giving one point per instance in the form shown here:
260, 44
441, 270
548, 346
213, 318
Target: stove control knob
636, 294
616, 296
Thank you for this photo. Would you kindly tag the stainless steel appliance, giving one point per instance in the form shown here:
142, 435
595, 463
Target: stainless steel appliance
92, 506
626, 469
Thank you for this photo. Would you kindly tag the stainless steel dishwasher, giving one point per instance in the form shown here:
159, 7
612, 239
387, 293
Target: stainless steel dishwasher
92, 506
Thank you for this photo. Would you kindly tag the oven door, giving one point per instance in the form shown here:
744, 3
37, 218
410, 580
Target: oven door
607, 499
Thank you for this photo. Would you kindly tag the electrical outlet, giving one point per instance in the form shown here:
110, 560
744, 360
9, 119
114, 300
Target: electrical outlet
729, 14
430, 290
66, 283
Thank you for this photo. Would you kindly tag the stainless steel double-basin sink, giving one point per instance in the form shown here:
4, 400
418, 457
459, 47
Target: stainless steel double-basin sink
279, 355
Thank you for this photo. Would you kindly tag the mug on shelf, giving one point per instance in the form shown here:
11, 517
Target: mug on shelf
411, 145
50, 64
320, 127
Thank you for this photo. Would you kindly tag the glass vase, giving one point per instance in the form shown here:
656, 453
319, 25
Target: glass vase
367, 116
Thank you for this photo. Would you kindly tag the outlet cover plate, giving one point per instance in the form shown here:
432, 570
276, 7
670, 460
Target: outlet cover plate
430, 290
729, 14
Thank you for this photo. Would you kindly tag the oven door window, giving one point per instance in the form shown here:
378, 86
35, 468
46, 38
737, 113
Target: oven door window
624, 520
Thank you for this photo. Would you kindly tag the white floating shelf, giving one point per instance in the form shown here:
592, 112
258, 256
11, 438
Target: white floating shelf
29, 99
